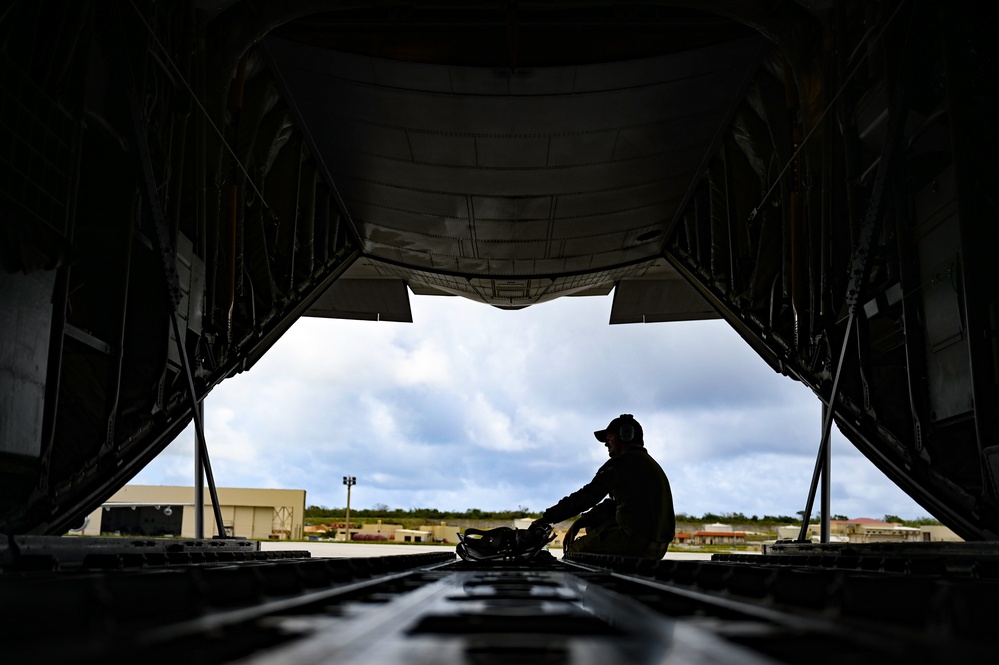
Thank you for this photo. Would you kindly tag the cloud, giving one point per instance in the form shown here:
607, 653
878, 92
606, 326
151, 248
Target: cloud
474, 407
489, 427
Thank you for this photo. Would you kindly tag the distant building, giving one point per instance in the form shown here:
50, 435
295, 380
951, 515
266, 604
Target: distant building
717, 527
937, 533
376, 531
718, 534
164, 510
412, 536
813, 533
718, 538
441, 532
868, 530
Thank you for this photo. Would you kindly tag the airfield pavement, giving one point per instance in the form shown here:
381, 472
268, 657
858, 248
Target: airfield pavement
340, 550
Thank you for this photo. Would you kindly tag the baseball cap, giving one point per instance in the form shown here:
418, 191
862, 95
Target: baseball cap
615, 427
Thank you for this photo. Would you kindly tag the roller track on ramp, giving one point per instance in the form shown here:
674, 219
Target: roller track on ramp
190, 602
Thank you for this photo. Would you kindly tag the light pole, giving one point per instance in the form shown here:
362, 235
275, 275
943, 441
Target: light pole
349, 481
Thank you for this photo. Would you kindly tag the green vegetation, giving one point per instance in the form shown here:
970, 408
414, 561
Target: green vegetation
919, 521
381, 511
739, 519
418, 516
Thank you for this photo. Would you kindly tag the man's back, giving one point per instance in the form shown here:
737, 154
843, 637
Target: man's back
643, 496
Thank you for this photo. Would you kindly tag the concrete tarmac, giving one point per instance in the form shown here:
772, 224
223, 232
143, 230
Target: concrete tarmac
341, 549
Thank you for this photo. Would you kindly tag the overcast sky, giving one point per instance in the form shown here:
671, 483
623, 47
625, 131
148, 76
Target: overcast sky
474, 407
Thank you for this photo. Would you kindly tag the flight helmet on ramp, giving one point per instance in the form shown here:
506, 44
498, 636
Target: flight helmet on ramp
504, 543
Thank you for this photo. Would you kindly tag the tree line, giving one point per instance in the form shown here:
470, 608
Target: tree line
383, 511
739, 518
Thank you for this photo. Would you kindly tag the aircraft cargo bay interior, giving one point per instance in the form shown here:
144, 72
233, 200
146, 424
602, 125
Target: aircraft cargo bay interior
180, 182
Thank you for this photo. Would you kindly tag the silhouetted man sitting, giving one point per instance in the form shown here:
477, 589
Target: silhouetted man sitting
636, 518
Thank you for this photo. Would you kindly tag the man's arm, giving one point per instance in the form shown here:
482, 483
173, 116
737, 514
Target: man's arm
601, 513
582, 499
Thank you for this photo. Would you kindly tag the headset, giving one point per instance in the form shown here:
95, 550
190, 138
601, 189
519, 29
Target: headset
626, 430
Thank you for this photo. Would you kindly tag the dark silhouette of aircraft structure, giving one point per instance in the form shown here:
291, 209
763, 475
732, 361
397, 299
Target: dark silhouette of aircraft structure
180, 182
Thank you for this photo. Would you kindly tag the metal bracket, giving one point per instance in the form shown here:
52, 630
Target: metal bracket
161, 239
858, 276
